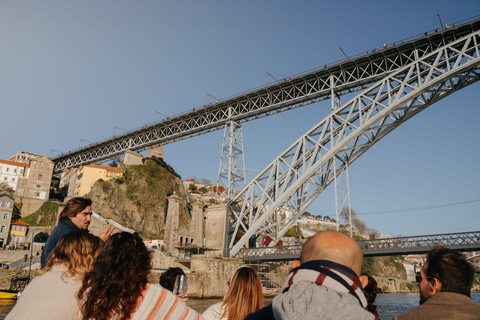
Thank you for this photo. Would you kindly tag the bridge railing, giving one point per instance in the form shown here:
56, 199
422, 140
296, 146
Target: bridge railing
464, 241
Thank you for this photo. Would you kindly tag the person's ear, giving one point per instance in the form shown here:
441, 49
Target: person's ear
364, 280
295, 264
435, 286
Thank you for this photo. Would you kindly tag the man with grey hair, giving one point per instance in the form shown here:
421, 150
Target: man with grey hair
326, 285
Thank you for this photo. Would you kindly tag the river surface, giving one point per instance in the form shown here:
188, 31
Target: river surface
391, 305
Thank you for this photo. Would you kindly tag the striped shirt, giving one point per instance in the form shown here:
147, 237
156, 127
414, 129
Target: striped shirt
159, 303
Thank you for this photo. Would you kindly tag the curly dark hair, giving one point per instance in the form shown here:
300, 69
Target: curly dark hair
370, 292
118, 277
167, 279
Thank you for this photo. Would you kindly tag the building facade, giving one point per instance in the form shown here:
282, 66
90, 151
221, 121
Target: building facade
18, 234
78, 182
6, 210
23, 157
36, 180
11, 172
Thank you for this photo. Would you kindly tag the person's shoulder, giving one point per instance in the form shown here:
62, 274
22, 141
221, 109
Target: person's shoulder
264, 313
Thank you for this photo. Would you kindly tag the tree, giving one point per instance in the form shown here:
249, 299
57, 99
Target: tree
6, 188
319, 217
194, 179
203, 190
114, 163
192, 188
16, 215
327, 218
206, 182
306, 214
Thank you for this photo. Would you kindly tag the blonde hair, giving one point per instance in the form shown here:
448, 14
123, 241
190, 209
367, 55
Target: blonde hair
244, 296
76, 250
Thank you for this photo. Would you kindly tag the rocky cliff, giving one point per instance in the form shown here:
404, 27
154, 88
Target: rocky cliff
138, 200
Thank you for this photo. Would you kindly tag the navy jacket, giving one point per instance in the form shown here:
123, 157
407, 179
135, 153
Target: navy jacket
61, 228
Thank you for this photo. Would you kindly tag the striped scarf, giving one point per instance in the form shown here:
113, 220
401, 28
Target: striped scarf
328, 274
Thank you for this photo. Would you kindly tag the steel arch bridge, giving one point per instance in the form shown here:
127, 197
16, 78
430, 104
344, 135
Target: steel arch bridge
352, 75
274, 200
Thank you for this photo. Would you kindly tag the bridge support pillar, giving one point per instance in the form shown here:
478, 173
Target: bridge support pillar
197, 223
155, 152
215, 226
171, 225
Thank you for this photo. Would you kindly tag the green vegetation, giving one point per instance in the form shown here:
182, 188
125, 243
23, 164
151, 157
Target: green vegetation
412, 287
45, 216
16, 213
6, 188
294, 232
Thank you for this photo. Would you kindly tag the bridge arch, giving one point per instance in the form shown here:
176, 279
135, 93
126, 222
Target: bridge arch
273, 201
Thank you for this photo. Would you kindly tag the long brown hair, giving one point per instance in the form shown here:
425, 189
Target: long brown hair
76, 250
118, 277
244, 296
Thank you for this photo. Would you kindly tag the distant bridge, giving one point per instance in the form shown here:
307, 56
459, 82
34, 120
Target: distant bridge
465, 241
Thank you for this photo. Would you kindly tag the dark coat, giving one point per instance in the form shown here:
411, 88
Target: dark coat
444, 305
61, 228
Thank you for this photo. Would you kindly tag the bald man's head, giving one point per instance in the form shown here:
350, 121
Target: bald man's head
333, 246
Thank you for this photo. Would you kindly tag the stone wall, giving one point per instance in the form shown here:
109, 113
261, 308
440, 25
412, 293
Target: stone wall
29, 205
395, 285
132, 158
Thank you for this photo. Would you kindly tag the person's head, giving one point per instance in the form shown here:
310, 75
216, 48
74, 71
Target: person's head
245, 294
333, 246
167, 279
445, 271
370, 290
76, 250
121, 267
79, 210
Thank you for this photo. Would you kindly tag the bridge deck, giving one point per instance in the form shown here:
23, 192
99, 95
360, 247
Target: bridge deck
347, 76
463, 242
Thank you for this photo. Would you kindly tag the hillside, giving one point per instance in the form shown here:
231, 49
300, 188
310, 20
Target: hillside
138, 200
45, 216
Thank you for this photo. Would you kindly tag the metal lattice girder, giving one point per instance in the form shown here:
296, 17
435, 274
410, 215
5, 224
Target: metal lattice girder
231, 173
465, 241
298, 176
289, 93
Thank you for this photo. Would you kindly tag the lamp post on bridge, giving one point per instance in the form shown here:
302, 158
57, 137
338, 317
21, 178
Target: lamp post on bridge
82, 140
52, 152
155, 116
115, 127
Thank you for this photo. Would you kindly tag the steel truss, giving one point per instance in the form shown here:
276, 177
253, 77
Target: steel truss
300, 174
231, 173
465, 241
289, 93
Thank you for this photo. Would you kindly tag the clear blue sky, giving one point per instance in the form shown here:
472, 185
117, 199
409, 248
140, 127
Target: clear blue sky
72, 70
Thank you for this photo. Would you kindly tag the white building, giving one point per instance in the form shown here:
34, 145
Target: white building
10, 172
23, 157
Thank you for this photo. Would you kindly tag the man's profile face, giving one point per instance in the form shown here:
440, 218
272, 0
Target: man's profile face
424, 285
83, 218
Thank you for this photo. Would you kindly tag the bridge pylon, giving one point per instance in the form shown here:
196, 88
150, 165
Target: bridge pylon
231, 172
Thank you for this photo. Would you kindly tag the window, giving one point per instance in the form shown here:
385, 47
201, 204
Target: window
0, 203
113, 174
21, 171
5, 178
7, 169
14, 170
13, 179
5, 216
37, 194
40, 176
7, 204
2, 230
38, 186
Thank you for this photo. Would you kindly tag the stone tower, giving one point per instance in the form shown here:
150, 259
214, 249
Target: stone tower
171, 225
197, 223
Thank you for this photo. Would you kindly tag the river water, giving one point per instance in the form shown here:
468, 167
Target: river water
391, 305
